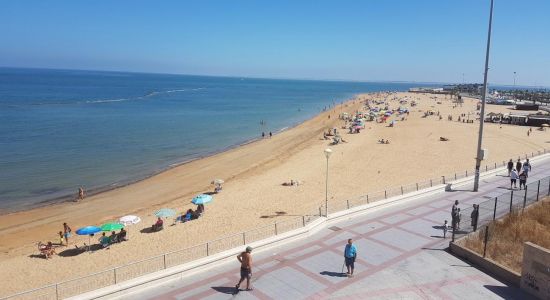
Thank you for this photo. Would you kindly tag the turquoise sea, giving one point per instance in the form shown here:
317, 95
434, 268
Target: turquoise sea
62, 129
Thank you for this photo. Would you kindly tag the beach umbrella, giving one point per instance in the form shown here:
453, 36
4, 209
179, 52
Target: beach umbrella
202, 199
217, 181
165, 213
111, 226
88, 230
129, 220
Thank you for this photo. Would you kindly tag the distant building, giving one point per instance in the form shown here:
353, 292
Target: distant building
428, 90
527, 106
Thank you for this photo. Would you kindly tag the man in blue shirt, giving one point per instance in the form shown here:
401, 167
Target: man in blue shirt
350, 253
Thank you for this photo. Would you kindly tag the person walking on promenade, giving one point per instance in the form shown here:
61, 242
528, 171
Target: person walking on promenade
526, 168
518, 166
474, 216
445, 228
454, 215
245, 258
350, 254
513, 179
522, 180
510, 166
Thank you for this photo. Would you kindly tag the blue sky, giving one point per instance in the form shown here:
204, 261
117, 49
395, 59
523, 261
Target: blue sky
394, 40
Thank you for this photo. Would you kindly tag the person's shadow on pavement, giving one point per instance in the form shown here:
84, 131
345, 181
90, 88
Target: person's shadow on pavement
333, 274
224, 289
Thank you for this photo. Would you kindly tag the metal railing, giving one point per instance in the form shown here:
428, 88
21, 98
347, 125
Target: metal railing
136, 269
502, 205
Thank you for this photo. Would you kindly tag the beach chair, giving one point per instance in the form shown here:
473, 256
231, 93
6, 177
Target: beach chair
45, 250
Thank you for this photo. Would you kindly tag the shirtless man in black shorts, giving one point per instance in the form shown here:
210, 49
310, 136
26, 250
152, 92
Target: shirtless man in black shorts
245, 258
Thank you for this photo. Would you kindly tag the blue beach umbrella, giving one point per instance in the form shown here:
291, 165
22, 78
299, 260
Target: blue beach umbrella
88, 230
202, 199
165, 212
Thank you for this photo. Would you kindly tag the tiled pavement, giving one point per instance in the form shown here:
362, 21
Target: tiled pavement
400, 256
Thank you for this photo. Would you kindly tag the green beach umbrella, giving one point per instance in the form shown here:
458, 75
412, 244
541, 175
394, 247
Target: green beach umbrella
111, 226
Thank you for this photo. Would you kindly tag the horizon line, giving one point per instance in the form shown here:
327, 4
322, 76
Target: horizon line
269, 78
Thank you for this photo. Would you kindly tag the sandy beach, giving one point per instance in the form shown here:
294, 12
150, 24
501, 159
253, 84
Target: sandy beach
253, 175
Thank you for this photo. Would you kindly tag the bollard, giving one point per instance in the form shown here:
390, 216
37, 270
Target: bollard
275, 228
486, 168
320, 212
303, 221
466, 173
431, 183
485, 240
443, 179
455, 176
495, 165
385, 194
164, 259
367, 198
207, 250
348, 203
114, 273
417, 186
401, 190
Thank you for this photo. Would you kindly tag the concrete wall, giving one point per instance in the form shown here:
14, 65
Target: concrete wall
535, 272
487, 265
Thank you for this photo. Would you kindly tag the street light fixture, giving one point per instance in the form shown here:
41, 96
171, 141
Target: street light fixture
328, 152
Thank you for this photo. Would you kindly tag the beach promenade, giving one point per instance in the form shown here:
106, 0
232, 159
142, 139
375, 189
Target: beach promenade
401, 255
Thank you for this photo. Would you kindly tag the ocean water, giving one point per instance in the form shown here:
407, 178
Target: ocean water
63, 129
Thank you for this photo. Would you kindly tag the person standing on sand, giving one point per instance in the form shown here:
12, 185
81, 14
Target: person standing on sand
270, 134
66, 232
350, 254
510, 166
518, 165
263, 134
81, 194
245, 258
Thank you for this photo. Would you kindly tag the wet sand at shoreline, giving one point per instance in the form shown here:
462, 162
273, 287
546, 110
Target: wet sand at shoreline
253, 174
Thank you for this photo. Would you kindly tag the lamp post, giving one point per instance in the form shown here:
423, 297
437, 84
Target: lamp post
483, 96
328, 152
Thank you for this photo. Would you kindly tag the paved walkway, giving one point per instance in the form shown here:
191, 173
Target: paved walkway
400, 256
